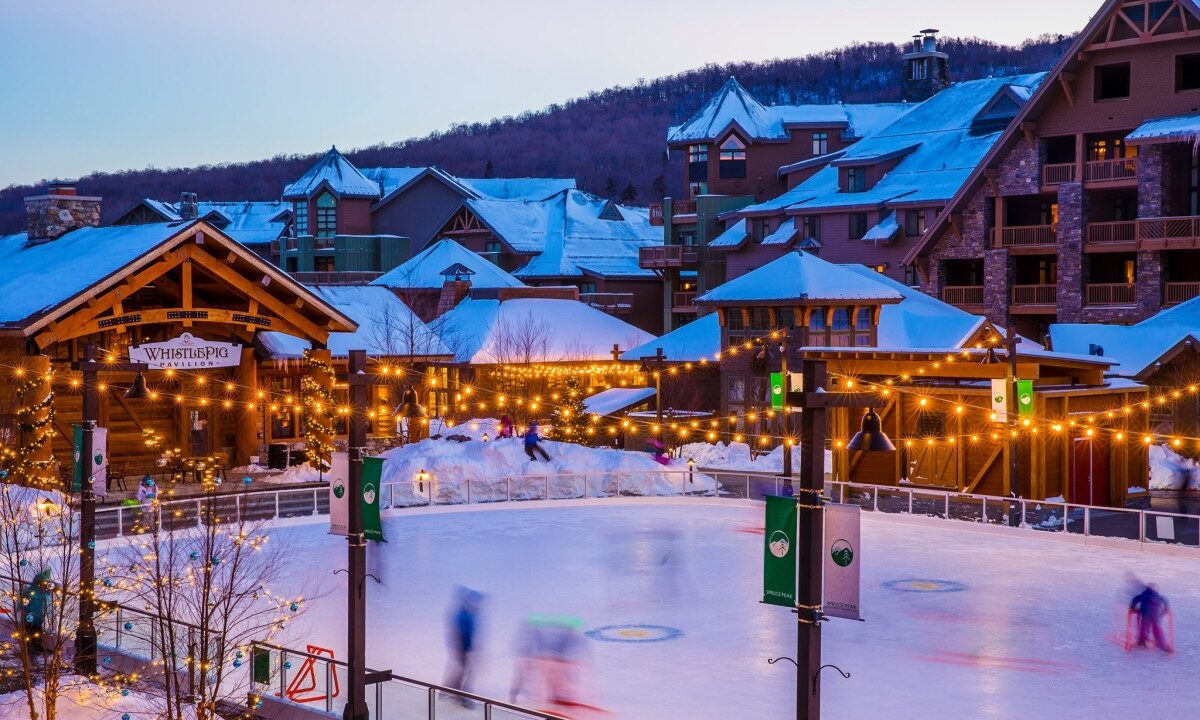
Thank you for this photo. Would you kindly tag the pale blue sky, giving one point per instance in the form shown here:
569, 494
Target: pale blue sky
115, 84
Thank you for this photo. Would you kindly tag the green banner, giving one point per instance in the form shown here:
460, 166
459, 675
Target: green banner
1025, 398
372, 472
777, 390
262, 666
779, 553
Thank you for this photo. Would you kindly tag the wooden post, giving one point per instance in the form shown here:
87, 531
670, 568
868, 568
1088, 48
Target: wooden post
245, 438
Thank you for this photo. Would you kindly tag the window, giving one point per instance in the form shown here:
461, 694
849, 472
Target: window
697, 188
811, 227
856, 179
323, 264
858, 225
816, 320
1187, 72
735, 320
761, 229
300, 217
1125, 208
1048, 213
931, 424
914, 223
862, 327
1110, 148
911, 278
687, 239
733, 158
820, 143
1112, 81
759, 393
840, 331
587, 288
881, 269
737, 390
326, 216
697, 163
492, 247
786, 317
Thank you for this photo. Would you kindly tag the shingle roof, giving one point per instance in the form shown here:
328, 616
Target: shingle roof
338, 174
424, 270
799, 276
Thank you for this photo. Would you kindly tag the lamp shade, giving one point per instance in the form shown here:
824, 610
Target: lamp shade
409, 406
137, 391
871, 437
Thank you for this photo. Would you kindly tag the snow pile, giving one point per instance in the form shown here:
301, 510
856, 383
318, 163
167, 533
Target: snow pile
475, 428
477, 471
304, 473
1171, 471
736, 456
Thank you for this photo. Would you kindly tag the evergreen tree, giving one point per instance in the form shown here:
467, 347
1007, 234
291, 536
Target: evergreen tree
571, 421
629, 194
488, 170
659, 188
610, 189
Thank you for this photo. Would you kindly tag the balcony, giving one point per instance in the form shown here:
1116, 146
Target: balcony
662, 257
1027, 236
611, 303
1168, 233
1115, 170
1178, 292
1058, 173
1035, 294
656, 214
1112, 233
683, 207
1111, 294
683, 302
963, 294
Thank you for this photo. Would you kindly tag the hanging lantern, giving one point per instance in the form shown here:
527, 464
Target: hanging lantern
409, 405
871, 437
137, 391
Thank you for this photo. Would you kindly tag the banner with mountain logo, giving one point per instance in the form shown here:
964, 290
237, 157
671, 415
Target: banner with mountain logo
779, 553
842, 560
339, 502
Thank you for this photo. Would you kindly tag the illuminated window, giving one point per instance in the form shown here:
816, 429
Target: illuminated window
326, 216
733, 158
300, 215
820, 143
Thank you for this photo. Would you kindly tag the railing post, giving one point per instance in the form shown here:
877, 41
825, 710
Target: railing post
199, 515
329, 686
1087, 521
468, 491
276, 505
946, 513
282, 674
432, 704
547, 487
1024, 506
119, 626
910, 501
120, 521
508, 488
985, 518
316, 508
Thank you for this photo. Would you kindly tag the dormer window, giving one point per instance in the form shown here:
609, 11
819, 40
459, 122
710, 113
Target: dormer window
326, 216
697, 163
300, 213
820, 143
856, 179
733, 158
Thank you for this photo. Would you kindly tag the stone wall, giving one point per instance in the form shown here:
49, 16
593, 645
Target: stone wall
1149, 283
997, 279
1020, 170
969, 245
52, 216
1072, 216
1152, 161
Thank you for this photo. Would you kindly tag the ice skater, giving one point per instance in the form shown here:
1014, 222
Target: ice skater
1150, 607
506, 427
463, 637
31, 616
533, 442
656, 448
147, 491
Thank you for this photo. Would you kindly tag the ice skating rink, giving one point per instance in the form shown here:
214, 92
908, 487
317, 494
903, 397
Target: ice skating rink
958, 623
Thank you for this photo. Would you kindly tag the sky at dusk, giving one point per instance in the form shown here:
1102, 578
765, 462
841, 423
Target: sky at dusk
135, 83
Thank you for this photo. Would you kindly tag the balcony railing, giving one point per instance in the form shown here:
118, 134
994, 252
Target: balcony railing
1028, 235
1168, 232
1110, 170
658, 257
1111, 233
684, 301
656, 214
963, 294
1057, 173
1035, 294
1111, 294
321, 277
683, 207
1177, 292
611, 303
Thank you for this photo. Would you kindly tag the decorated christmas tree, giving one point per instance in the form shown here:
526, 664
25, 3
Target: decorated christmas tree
571, 421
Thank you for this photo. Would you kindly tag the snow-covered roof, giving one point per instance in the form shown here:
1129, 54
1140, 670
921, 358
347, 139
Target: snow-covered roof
698, 340
1181, 128
569, 234
486, 332
799, 276
919, 320
885, 230
250, 222
783, 235
386, 326
733, 236
1132, 348
337, 173
734, 106
424, 270
614, 400
518, 188
391, 179
938, 147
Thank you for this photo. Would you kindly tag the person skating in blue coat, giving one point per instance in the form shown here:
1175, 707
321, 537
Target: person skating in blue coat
1151, 607
464, 632
533, 443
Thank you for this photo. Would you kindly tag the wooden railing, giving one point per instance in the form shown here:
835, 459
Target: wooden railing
1035, 294
683, 207
1109, 170
1167, 229
1177, 292
963, 294
656, 214
684, 301
612, 303
1120, 231
1028, 235
668, 256
1058, 173
1111, 294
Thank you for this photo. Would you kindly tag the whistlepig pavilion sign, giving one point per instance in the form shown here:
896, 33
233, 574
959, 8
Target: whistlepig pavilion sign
186, 352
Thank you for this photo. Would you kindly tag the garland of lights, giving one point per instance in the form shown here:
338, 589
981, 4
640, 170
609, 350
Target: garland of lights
318, 409
571, 418
25, 464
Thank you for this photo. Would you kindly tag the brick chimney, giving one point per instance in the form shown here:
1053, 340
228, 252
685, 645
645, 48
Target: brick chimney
188, 207
456, 285
58, 212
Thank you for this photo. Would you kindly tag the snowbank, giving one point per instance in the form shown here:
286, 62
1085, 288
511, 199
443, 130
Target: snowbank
303, 473
1171, 471
736, 456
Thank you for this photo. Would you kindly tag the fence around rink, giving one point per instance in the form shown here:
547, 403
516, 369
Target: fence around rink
1136, 525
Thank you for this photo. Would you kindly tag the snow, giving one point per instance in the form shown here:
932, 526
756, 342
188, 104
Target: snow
518, 188
614, 400
335, 172
783, 235
885, 230
485, 332
736, 456
424, 270
920, 320
732, 237
1181, 128
81, 699
799, 276
1171, 471
303, 473
250, 222
386, 327
1033, 629
1132, 349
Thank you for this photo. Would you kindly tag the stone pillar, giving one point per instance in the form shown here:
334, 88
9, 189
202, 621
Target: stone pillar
1150, 179
245, 438
1072, 218
1150, 278
997, 285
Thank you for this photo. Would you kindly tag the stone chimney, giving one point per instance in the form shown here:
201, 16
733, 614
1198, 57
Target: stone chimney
926, 69
58, 212
188, 207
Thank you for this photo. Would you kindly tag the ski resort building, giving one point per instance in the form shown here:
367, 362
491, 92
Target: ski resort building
439, 277
256, 224
1087, 209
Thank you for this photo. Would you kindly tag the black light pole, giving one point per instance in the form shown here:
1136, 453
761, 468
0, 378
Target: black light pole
785, 388
356, 544
85, 634
810, 531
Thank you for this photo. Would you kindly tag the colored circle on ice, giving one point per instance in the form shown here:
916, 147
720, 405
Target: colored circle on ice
841, 553
634, 633
925, 585
779, 544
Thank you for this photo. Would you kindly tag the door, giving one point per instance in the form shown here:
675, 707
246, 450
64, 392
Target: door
1089, 471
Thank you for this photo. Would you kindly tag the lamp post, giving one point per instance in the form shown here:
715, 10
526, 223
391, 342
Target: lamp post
691, 471
356, 544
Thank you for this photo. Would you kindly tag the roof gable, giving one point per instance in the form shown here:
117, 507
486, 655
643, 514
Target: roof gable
799, 277
335, 173
425, 269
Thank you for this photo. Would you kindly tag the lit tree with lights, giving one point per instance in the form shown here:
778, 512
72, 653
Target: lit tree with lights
571, 421
318, 406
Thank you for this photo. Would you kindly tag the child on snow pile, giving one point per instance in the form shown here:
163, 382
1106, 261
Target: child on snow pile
506, 426
533, 443
656, 448
1151, 607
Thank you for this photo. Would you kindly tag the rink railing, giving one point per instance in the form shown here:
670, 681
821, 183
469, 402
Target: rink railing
1144, 526
322, 688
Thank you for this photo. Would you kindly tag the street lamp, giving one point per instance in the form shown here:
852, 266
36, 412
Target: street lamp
691, 471
871, 438
422, 477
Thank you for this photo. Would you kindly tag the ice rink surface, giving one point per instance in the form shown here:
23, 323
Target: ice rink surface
958, 623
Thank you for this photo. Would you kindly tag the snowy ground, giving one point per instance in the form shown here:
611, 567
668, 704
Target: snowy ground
987, 626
